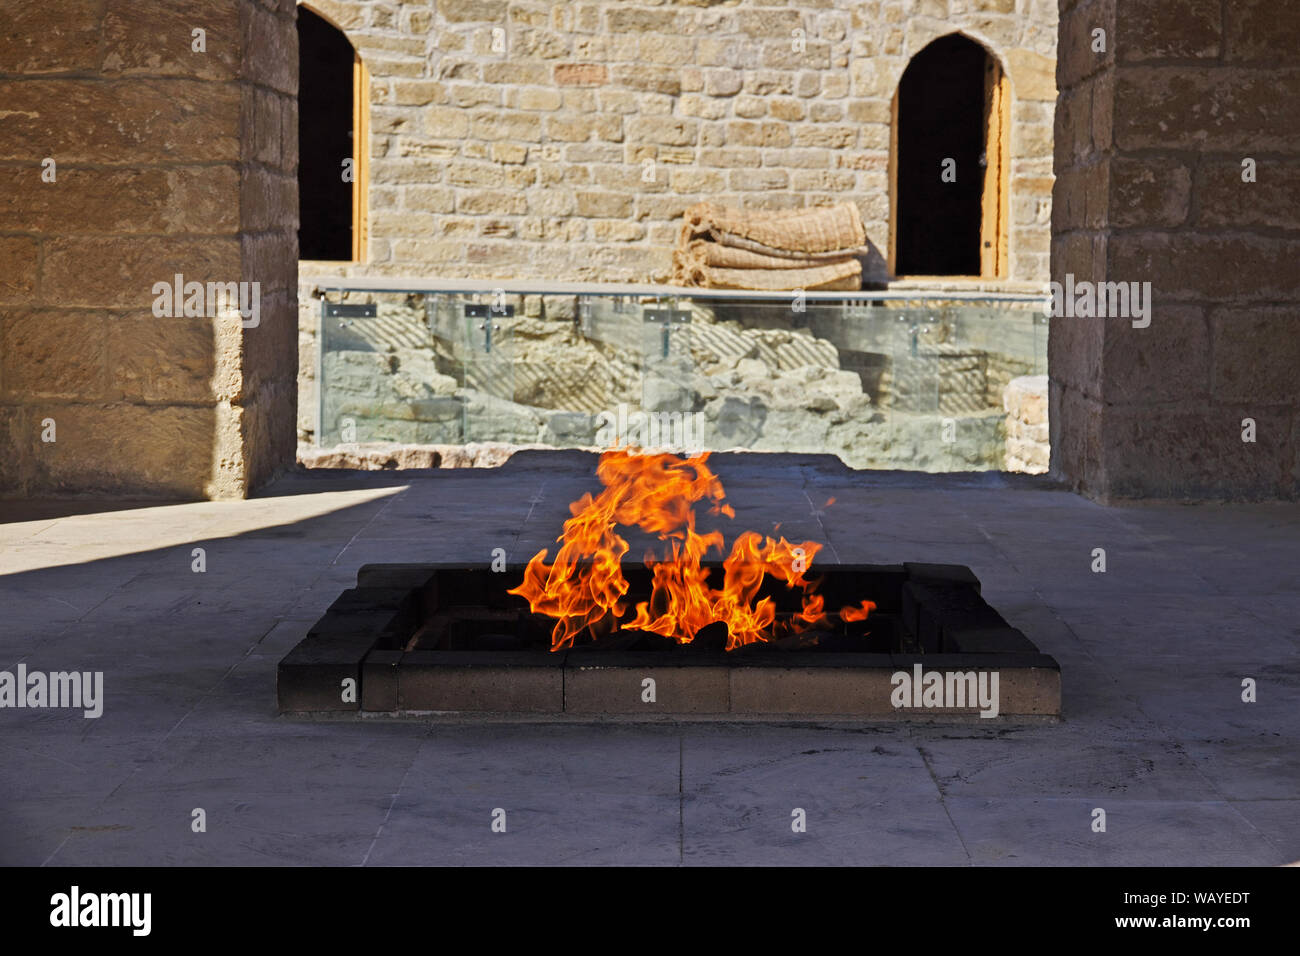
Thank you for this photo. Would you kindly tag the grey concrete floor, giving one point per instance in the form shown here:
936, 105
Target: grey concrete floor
1194, 599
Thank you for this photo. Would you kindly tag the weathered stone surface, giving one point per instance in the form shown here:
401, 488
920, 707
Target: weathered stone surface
1260, 33
50, 354
1163, 31
1186, 450
1185, 108
809, 690
482, 689
161, 359
51, 38
371, 457
1208, 266
127, 121
714, 85
1165, 362
1224, 198
121, 272
266, 442
581, 74
590, 688
268, 44
158, 39
389, 456
268, 201
1025, 402
1074, 420
1146, 192
170, 160
128, 449
18, 258
1256, 353
1164, 413
1033, 75
1077, 56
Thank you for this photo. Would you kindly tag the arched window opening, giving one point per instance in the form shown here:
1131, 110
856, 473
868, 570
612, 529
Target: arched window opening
950, 163
333, 138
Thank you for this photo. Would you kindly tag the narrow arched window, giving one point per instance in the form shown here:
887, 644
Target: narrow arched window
333, 140
950, 163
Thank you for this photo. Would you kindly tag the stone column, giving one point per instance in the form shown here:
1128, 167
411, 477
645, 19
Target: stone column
1152, 141
141, 139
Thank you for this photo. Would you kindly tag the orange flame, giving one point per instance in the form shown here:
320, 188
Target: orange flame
584, 589
858, 613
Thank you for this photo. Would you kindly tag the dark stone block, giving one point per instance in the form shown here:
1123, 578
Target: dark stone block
375, 622
481, 682
977, 662
594, 658
379, 680
942, 575
617, 683
484, 658
911, 598
988, 640
795, 659
402, 576
311, 676
369, 599
943, 608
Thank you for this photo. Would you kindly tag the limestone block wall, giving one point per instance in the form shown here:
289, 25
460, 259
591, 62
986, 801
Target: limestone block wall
529, 139
1178, 164
1025, 402
128, 156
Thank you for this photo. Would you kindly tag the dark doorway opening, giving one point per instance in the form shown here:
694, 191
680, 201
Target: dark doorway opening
950, 115
325, 139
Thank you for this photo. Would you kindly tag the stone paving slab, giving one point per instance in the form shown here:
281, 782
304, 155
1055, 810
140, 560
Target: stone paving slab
1152, 654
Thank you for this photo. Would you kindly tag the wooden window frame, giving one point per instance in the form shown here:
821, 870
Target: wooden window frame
360, 159
995, 201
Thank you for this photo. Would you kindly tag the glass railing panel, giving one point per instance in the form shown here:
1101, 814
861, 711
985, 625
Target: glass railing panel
912, 383
383, 376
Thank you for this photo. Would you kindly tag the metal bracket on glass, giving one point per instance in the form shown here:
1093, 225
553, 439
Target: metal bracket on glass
321, 345
666, 318
915, 332
586, 315
338, 310
481, 310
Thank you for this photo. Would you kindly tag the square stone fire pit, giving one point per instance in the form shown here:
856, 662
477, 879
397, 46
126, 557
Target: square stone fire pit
441, 638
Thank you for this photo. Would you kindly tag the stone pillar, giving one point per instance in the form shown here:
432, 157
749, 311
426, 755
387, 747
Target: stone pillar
1152, 136
133, 148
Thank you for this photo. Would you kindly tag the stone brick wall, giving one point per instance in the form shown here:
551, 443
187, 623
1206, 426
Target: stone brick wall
1025, 402
527, 158
166, 160
1151, 136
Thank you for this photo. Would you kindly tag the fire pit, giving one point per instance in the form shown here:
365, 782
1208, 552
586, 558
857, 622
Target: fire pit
757, 632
